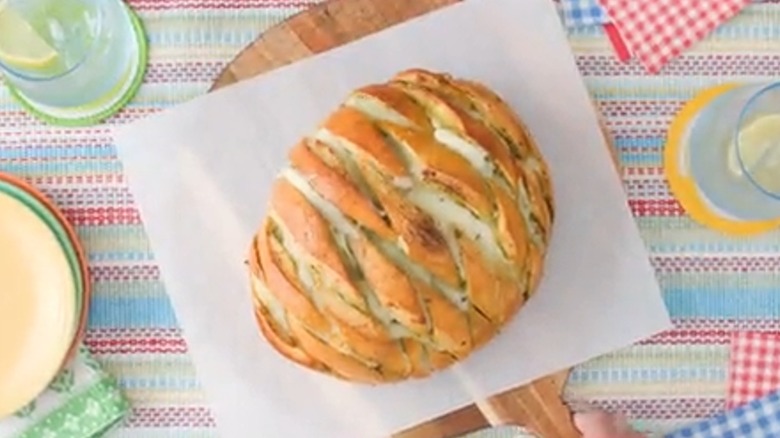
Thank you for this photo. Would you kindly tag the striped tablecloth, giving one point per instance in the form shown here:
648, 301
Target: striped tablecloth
712, 285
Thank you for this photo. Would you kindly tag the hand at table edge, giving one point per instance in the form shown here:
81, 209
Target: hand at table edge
600, 424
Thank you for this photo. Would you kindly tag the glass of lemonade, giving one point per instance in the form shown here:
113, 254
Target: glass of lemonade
735, 152
71, 61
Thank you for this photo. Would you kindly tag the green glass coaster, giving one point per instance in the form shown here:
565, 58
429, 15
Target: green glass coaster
95, 112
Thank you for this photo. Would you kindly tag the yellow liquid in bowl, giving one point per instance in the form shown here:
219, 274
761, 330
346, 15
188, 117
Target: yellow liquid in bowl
37, 305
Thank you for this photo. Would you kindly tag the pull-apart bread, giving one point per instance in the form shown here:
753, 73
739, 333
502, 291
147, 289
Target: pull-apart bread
405, 233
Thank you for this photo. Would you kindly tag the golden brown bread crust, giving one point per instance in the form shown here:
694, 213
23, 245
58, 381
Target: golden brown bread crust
405, 233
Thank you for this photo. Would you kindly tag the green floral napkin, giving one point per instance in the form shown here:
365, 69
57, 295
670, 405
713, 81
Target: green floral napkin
81, 402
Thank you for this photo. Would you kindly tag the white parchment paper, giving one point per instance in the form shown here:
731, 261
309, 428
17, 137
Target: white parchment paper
201, 175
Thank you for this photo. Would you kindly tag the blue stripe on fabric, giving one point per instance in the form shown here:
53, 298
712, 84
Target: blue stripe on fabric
640, 142
752, 33
188, 38
159, 383
727, 31
64, 166
108, 312
63, 152
585, 31
643, 159
724, 303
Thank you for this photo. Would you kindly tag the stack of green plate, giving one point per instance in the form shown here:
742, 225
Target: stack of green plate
44, 293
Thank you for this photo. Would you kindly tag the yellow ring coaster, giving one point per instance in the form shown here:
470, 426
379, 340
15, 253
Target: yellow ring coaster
681, 183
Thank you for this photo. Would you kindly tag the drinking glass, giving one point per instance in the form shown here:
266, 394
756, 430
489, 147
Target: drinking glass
70, 59
735, 152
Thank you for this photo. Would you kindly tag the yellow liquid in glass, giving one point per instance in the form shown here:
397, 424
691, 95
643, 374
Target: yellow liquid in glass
46, 37
67, 53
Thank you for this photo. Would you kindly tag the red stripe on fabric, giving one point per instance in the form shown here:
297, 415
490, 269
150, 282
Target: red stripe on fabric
91, 196
690, 337
716, 263
59, 187
638, 123
136, 346
109, 215
125, 273
20, 132
170, 417
709, 331
656, 207
117, 195
771, 325
632, 132
639, 108
654, 171
168, 72
107, 178
135, 341
647, 184
13, 119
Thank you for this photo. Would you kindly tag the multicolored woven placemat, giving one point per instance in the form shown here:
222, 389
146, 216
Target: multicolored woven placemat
712, 285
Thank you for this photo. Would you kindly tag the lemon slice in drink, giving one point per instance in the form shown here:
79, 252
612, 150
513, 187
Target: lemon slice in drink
21, 47
759, 148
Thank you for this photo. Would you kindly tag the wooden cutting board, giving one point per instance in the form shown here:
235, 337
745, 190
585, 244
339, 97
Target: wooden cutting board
536, 406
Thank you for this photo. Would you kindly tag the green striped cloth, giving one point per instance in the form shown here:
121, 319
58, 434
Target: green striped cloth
81, 402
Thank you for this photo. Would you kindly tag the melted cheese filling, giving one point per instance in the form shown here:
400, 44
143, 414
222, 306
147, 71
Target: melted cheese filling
376, 109
449, 215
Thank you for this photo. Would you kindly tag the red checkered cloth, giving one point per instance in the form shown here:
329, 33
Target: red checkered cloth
656, 31
754, 368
